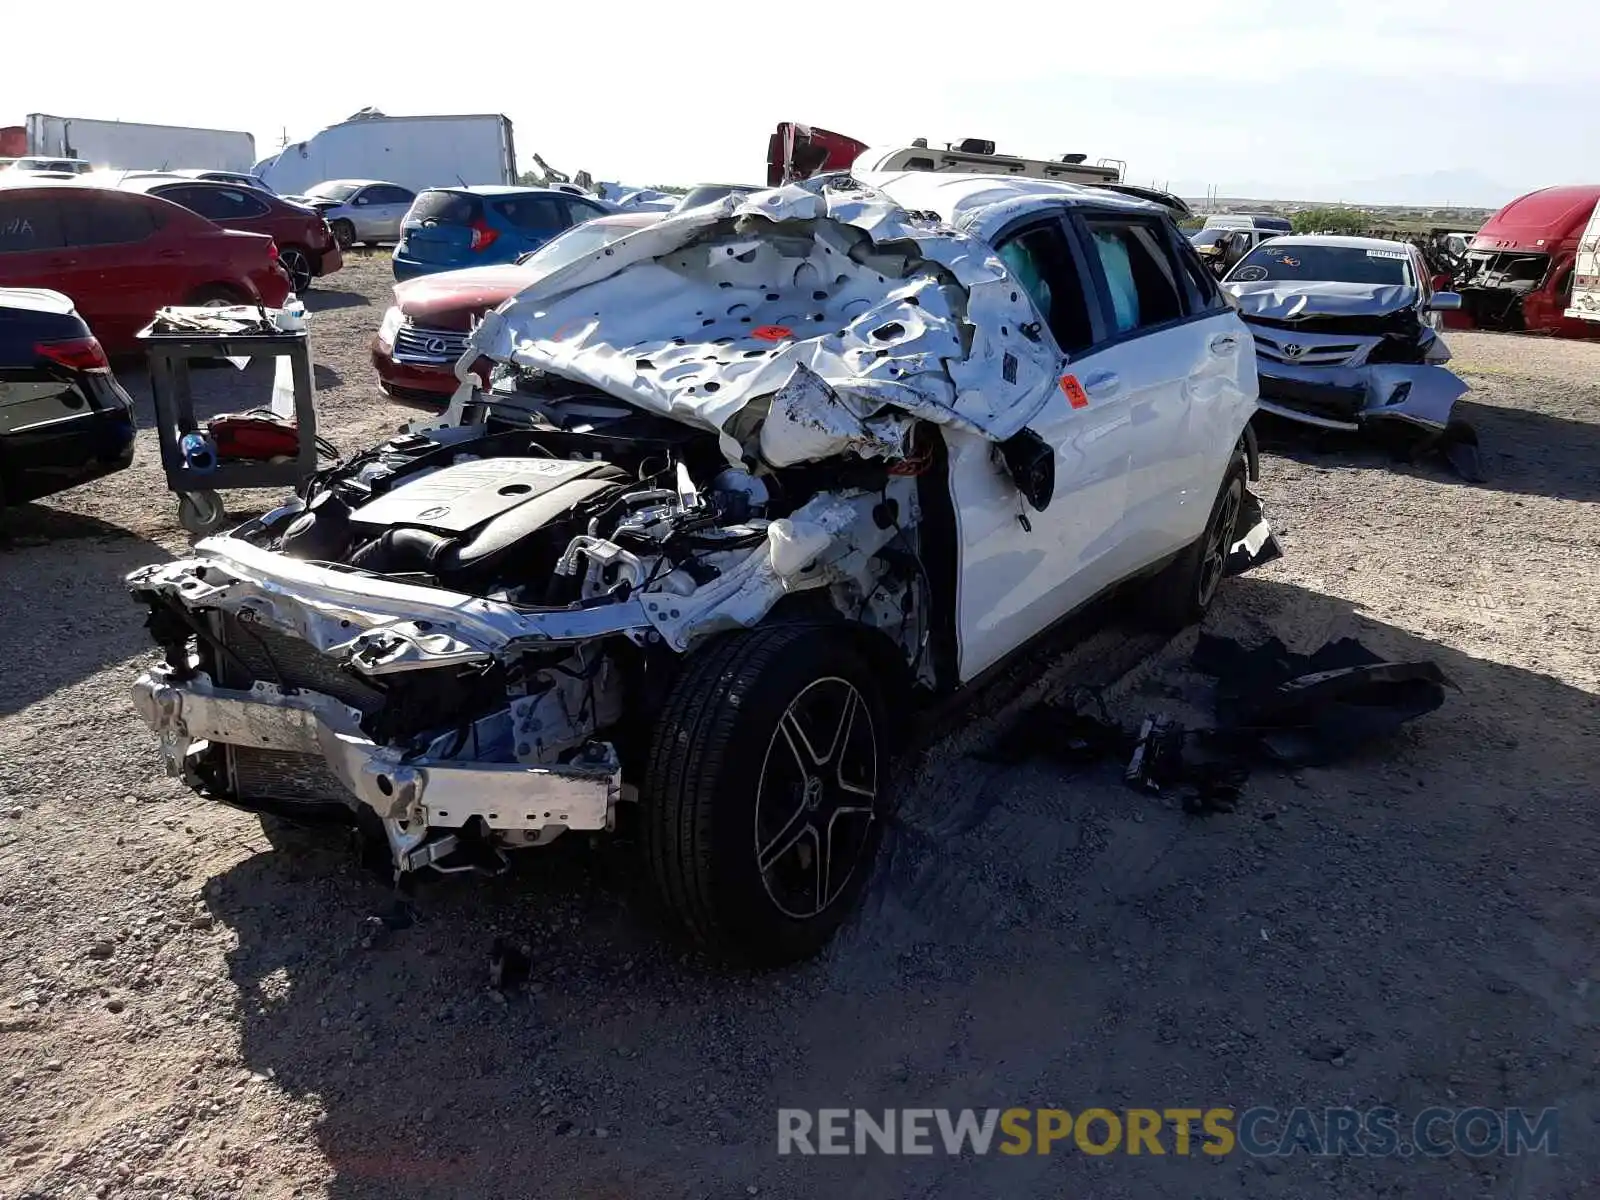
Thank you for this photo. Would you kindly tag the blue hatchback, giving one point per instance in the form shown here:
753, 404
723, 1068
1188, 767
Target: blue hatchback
451, 228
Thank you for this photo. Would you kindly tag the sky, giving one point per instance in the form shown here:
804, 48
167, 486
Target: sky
1465, 102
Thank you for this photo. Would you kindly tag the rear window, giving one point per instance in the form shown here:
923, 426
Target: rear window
29, 223
444, 208
539, 214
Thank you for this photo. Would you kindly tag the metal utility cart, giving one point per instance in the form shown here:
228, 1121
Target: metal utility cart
200, 509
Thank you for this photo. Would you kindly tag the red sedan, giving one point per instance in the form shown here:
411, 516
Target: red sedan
306, 246
121, 255
423, 335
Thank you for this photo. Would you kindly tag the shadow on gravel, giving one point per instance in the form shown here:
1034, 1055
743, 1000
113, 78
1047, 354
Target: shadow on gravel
320, 299
65, 613
1397, 929
1524, 453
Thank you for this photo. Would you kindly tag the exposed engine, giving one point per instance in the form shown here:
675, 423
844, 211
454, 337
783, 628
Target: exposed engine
565, 508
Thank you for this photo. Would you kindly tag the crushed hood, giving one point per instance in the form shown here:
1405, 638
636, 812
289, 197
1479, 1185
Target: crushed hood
1294, 300
460, 295
862, 317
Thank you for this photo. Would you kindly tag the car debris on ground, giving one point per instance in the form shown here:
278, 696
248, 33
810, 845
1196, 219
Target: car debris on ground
1271, 706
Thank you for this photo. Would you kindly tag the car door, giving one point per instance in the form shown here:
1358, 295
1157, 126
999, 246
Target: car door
1021, 569
1181, 362
380, 209
115, 235
33, 248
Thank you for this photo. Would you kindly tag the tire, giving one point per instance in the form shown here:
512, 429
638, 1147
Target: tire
297, 265
737, 790
344, 233
1181, 594
216, 295
201, 512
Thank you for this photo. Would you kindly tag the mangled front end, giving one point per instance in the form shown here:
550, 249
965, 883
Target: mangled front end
462, 636
1345, 356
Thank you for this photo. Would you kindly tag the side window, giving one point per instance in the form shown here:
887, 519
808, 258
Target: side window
196, 200
1139, 271
1040, 259
582, 211
241, 205
1203, 293
106, 220
388, 194
535, 214
29, 223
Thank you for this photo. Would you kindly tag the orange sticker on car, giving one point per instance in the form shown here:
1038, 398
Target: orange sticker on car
1073, 390
772, 333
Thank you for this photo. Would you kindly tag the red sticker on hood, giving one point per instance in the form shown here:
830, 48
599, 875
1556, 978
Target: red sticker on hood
772, 333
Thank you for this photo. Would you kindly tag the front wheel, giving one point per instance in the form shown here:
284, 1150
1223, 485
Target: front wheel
765, 795
1183, 591
344, 233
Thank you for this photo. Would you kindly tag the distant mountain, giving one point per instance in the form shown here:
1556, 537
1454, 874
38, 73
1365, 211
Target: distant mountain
1434, 189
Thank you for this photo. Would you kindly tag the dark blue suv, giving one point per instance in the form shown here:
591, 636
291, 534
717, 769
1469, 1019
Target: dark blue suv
451, 228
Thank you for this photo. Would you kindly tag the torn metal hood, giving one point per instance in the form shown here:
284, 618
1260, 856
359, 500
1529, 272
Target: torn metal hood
1295, 300
709, 314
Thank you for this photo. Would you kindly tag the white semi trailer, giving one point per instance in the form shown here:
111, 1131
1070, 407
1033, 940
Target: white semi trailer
415, 152
128, 145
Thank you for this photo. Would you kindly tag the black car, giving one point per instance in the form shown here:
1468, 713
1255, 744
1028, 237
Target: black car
64, 418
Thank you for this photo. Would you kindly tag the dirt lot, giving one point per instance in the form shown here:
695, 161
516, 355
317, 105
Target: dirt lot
186, 1010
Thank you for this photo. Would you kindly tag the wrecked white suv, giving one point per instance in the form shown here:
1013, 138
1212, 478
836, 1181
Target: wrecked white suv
746, 485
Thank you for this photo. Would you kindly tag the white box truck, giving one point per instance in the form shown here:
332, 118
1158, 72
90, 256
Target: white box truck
128, 145
415, 152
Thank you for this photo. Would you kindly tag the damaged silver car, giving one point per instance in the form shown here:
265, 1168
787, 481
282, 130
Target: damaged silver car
1344, 332
746, 485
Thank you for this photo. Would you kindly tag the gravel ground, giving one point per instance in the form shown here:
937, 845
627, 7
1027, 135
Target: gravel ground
188, 1009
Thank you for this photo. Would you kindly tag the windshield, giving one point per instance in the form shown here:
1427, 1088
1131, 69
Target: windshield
1208, 237
334, 191
1325, 264
573, 245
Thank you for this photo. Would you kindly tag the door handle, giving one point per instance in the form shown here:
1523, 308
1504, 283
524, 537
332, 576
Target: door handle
1103, 383
169, 254
1224, 343
60, 262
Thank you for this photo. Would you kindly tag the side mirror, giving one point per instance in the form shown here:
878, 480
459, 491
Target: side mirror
1444, 302
1031, 463
361, 200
